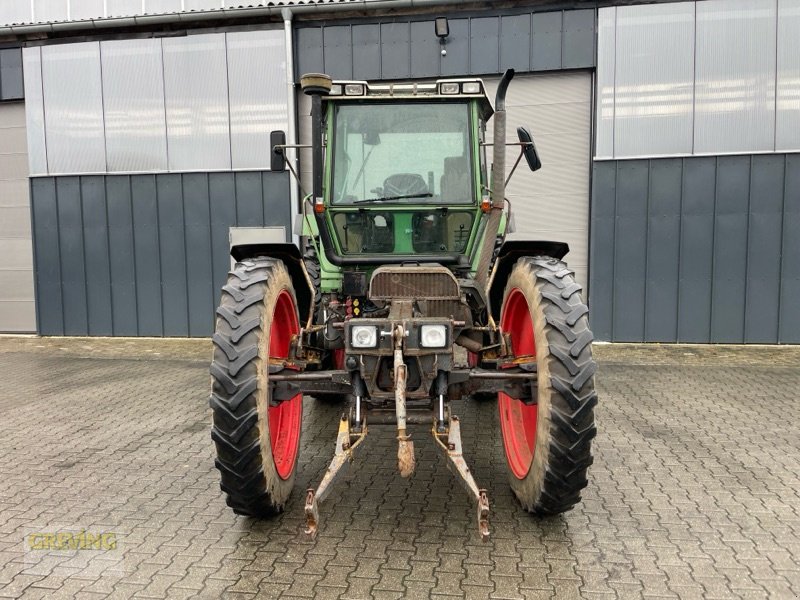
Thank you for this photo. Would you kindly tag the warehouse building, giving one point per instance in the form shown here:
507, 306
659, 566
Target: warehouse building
135, 133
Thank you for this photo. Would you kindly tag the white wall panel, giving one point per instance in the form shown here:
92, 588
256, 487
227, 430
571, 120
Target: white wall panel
74, 108
787, 120
133, 94
196, 89
258, 94
606, 63
14, 11
123, 8
162, 6
735, 76
86, 9
49, 10
653, 89
34, 110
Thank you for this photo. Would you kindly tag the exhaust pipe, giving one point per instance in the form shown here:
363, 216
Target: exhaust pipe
498, 179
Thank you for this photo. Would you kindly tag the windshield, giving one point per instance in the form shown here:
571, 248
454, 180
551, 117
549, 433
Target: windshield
405, 153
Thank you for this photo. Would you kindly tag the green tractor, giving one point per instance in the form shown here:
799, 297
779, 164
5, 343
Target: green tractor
404, 258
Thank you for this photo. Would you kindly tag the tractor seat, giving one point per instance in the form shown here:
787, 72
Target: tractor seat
404, 184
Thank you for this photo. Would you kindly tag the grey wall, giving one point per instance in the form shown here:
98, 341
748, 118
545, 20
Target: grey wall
11, 74
395, 48
696, 249
142, 255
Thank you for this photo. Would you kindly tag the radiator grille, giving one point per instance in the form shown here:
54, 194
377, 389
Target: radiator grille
432, 282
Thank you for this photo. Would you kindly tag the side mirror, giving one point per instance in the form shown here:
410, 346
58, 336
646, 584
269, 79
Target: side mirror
529, 149
277, 162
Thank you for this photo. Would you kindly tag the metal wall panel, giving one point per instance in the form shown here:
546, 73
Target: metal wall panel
153, 261
133, 95
479, 45
86, 9
14, 11
484, 45
764, 232
196, 89
653, 95
73, 97
577, 40
546, 43
789, 315
49, 10
339, 55
162, 6
123, 8
606, 65
257, 95
11, 87
735, 76
34, 111
711, 253
787, 119
366, 52
515, 41
395, 50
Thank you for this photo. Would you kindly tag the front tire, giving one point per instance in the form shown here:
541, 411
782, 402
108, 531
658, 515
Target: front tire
548, 444
257, 440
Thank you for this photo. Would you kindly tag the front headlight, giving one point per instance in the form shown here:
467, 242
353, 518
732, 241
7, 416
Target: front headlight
364, 336
433, 336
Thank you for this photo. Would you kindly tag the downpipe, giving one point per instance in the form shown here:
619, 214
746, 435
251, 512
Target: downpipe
498, 180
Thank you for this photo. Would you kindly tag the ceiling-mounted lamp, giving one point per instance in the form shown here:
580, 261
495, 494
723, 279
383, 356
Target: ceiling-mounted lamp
442, 28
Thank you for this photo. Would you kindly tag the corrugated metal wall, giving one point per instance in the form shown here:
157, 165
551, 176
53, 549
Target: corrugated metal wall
142, 255
398, 48
696, 249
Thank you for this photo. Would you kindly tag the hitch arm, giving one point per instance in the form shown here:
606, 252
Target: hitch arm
450, 441
345, 444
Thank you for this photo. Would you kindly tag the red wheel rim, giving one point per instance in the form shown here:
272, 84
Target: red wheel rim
517, 419
284, 419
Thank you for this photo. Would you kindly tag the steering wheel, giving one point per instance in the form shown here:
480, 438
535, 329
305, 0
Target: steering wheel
404, 184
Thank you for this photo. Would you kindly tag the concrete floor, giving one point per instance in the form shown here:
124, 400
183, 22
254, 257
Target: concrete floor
695, 490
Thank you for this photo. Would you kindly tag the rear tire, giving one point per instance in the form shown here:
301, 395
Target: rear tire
257, 441
548, 445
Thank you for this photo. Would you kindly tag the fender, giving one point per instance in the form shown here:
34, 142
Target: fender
509, 253
291, 257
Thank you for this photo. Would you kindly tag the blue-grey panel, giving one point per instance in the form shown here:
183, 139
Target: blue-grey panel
395, 50
630, 251
425, 49
457, 60
601, 243
11, 74
249, 200
277, 202
222, 198
663, 250
697, 235
44, 207
95, 243
121, 255
308, 52
172, 246
144, 204
515, 43
789, 331
546, 41
578, 41
367, 51
202, 298
338, 52
730, 249
484, 46
764, 249
73, 272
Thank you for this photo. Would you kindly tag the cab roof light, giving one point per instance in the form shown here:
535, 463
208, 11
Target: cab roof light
354, 89
336, 89
471, 87
449, 88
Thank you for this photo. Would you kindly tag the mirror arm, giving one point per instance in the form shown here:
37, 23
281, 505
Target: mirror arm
514, 168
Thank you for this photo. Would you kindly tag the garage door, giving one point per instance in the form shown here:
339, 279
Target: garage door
552, 203
17, 309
